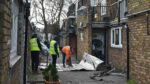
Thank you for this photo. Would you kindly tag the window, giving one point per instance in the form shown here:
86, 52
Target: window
94, 2
14, 34
103, 8
82, 11
81, 3
94, 11
116, 40
123, 9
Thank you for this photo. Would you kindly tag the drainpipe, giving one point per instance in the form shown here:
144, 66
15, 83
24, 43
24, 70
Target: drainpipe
27, 6
119, 11
128, 54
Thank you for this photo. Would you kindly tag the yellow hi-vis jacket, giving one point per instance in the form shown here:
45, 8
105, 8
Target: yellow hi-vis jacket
34, 44
52, 48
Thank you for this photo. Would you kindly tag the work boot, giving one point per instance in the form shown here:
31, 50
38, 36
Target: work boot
64, 66
70, 65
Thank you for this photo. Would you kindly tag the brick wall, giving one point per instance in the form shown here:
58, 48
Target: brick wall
16, 73
8, 75
5, 24
139, 43
65, 40
82, 19
139, 55
138, 5
139, 50
83, 45
117, 56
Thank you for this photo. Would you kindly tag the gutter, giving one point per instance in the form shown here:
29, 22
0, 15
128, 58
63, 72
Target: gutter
138, 13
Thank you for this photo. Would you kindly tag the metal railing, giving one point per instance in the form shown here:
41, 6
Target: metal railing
101, 12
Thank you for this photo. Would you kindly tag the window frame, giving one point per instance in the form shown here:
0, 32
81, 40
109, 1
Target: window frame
113, 37
94, 3
14, 57
103, 8
123, 9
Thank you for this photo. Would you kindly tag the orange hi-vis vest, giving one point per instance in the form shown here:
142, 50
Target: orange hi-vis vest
67, 51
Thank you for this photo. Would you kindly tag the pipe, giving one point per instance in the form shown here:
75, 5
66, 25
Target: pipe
26, 38
105, 47
119, 12
128, 54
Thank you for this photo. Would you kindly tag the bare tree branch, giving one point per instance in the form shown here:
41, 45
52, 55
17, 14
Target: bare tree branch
48, 12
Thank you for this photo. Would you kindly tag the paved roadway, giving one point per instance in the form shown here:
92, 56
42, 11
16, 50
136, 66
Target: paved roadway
83, 77
78, 77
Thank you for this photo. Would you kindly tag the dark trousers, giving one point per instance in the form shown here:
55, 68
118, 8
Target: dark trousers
64, 58
54, 57
35, 60
69, 61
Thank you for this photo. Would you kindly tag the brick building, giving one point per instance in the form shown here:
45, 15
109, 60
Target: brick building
120, 30
63, 34
101, 32
139, 40
83, 32
68, 30
117, 42
12, 27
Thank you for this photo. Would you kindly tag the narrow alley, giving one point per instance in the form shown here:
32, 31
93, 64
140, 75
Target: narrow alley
74, 41
69, 76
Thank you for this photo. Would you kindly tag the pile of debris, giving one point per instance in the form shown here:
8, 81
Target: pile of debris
105, 70
102, 70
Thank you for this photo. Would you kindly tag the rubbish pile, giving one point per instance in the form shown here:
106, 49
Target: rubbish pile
105, 70
102, 70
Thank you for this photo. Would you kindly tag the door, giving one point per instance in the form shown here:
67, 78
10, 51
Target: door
73, 44
98, 43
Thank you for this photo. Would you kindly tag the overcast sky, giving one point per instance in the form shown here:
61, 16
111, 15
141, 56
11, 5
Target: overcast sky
65, 8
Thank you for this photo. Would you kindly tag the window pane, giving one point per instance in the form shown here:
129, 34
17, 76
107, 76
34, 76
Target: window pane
93, 2
103, 8
120, 37
123, 9
13, 50
14, 35
117, 36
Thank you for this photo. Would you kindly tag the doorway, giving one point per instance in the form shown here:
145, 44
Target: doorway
73, 44
99, 44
